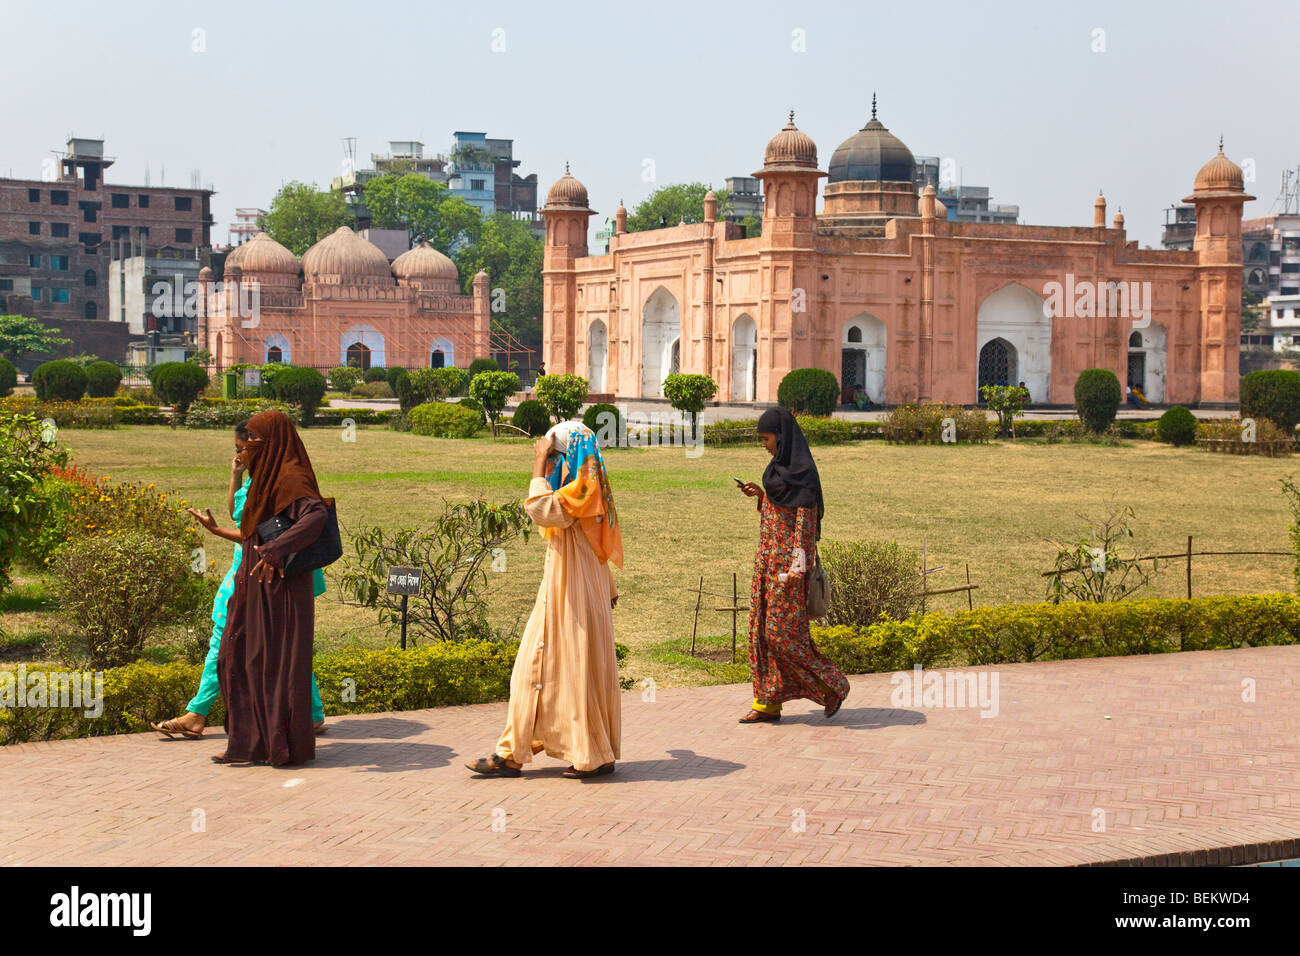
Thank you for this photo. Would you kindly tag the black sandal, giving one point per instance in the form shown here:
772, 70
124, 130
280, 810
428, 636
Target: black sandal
494, 766
598, 772
830, 711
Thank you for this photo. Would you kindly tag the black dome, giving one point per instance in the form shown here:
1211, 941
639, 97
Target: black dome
872, 153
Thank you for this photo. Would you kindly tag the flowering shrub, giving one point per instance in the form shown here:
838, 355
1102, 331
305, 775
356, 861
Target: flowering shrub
83, 414
26, 457
924, 424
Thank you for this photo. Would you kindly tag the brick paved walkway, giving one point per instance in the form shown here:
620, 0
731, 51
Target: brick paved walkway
1182, 765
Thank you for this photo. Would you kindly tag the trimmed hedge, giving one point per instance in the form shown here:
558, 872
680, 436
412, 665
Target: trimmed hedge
391, 374
531, 416
1273, 394
1177, 426
102, 379
179, 384
483, 365
59, 381
818, 431
304, 387
592, 419
1097, 395
811, 390
445, 420
376, 373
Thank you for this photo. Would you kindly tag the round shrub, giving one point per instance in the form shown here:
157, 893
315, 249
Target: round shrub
59, 381
345, 378
8, 377
1177, 426
1096, 398
531, 416
390, 376
474, 405
1273, 394
445, 420
483, 365
270, 372
304, 387
102, 379
178, 384
813, 391
562, 395
604, 419
870, 578
376, 373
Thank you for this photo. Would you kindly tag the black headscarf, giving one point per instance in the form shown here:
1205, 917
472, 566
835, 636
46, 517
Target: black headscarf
791, 478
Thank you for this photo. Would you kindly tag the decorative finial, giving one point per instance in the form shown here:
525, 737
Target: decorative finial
1220, 142
566, 167
873, 104
792, 117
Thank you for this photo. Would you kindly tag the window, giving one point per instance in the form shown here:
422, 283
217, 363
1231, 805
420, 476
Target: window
185, 235
121, 201
90, 279
33, 229
36, 293
121, 232
142, 201
33, 195
6, 285
58, 295
58, 197
183, 203
273, 354
476, 184
92, 310
89, 213
59, 263
90, 239
1135, 340
33, 261
143, 231
59, 230
437, 359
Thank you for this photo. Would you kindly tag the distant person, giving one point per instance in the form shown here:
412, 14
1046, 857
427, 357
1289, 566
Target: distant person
541, 370
861, 399
1130, 396
1142, 399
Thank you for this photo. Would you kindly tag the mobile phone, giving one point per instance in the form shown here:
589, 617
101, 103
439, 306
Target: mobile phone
739, 483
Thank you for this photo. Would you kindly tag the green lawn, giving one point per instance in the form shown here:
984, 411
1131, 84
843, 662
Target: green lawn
995, 506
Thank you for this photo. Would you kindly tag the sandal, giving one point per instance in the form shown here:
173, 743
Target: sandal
758, 717
600, 771
319, 728
222, 758
494, 766
168, 728
833, 706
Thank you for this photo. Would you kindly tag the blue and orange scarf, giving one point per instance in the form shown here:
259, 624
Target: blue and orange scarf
586, 495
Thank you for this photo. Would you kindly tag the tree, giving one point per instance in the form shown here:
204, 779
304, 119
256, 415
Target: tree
27, 453
492, 390
20, 335
407, 202
672, 204
301, 216
1008, 401
512, 257
687, 394
1250, 313
562, 395
753, 226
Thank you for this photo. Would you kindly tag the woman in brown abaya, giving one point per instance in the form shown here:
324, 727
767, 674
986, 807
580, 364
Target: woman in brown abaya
265, 661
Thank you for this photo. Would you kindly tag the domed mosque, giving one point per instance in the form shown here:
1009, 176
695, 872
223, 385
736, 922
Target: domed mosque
342, 303
881, 289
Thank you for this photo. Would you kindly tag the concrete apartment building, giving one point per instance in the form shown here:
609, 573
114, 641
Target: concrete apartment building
56, 237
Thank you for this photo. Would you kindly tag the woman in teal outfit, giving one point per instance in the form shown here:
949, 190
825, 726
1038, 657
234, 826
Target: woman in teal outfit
191, 723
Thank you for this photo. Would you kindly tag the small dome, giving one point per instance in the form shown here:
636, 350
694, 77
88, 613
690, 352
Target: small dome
344, 253
206, 274
872, 154
1219, 174
424, 262
264, 255
791, 147
567, 191
940, 210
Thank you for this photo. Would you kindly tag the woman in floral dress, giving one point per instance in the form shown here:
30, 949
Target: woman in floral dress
785, 663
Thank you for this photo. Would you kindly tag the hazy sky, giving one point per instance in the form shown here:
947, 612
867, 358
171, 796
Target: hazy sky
1013, 92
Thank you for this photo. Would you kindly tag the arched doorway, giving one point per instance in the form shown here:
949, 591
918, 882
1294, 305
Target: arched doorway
862, 358
276, 349
358, 355
92, 310
999, 365
661, 326
442, 354
744, 359
1020, 319
596, 353
1146, 362
361, 346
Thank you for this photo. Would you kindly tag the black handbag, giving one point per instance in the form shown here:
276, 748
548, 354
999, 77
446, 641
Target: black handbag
325, 550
